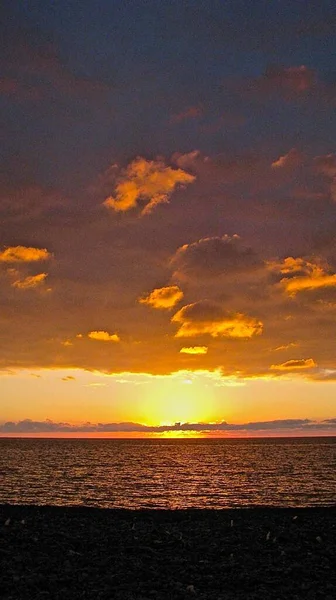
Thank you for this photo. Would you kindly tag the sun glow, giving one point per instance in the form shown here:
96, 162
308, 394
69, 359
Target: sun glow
178, 403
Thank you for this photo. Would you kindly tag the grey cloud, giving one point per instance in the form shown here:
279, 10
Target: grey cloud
29, 426
204, 310
214, 256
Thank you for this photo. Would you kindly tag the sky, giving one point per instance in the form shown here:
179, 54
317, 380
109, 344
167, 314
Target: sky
168, 212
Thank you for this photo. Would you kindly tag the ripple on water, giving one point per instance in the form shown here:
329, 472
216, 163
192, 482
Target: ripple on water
169, 473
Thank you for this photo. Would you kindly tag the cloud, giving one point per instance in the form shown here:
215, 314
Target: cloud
67, 343
298, 83
327, 166
103, 336
69, 378
29, 282
288, 82
194, 350
285, 346
324, 375
13, 254
205, 317
189, 160
292, 159
212, 257
301, 363
165, 297
277, 425
33, 70
303, 275
150, 181
192, 112
291, 266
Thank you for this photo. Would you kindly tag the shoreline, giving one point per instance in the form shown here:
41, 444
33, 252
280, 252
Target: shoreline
240, 553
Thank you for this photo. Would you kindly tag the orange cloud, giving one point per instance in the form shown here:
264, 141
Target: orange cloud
30, 282
205, 317
103, 336
318, 280
194, 350
290, 265
285, 347
301, 363
165, 297
303, 275
148, 180
23, 254
290, 160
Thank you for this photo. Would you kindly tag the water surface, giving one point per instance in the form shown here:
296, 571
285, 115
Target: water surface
177, 473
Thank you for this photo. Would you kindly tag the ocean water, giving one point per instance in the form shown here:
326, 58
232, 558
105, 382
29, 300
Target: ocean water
199, 473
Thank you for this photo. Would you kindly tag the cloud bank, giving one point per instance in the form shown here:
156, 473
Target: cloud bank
295, 426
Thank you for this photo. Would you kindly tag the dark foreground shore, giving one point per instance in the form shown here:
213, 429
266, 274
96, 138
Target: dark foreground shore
72, 553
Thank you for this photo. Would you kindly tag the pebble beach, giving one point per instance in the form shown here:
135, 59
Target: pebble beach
92, 553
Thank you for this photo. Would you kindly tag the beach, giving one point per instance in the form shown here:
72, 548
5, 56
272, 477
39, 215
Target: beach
84, 553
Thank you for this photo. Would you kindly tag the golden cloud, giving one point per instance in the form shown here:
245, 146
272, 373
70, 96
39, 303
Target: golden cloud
23, 254
285, 346
103, 336
318, 280
30, 282
291, 266
205, 317
194, 350
303, 275
165, 297
148, 180
290, 160
301, 363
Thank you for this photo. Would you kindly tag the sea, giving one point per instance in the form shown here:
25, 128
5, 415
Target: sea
169, 473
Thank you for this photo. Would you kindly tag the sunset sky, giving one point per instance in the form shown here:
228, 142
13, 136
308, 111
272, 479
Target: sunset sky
168, 218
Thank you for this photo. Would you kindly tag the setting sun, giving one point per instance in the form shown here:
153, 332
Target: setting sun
178, 402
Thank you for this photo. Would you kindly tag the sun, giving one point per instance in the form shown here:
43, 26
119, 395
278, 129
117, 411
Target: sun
177, 402
166, 411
